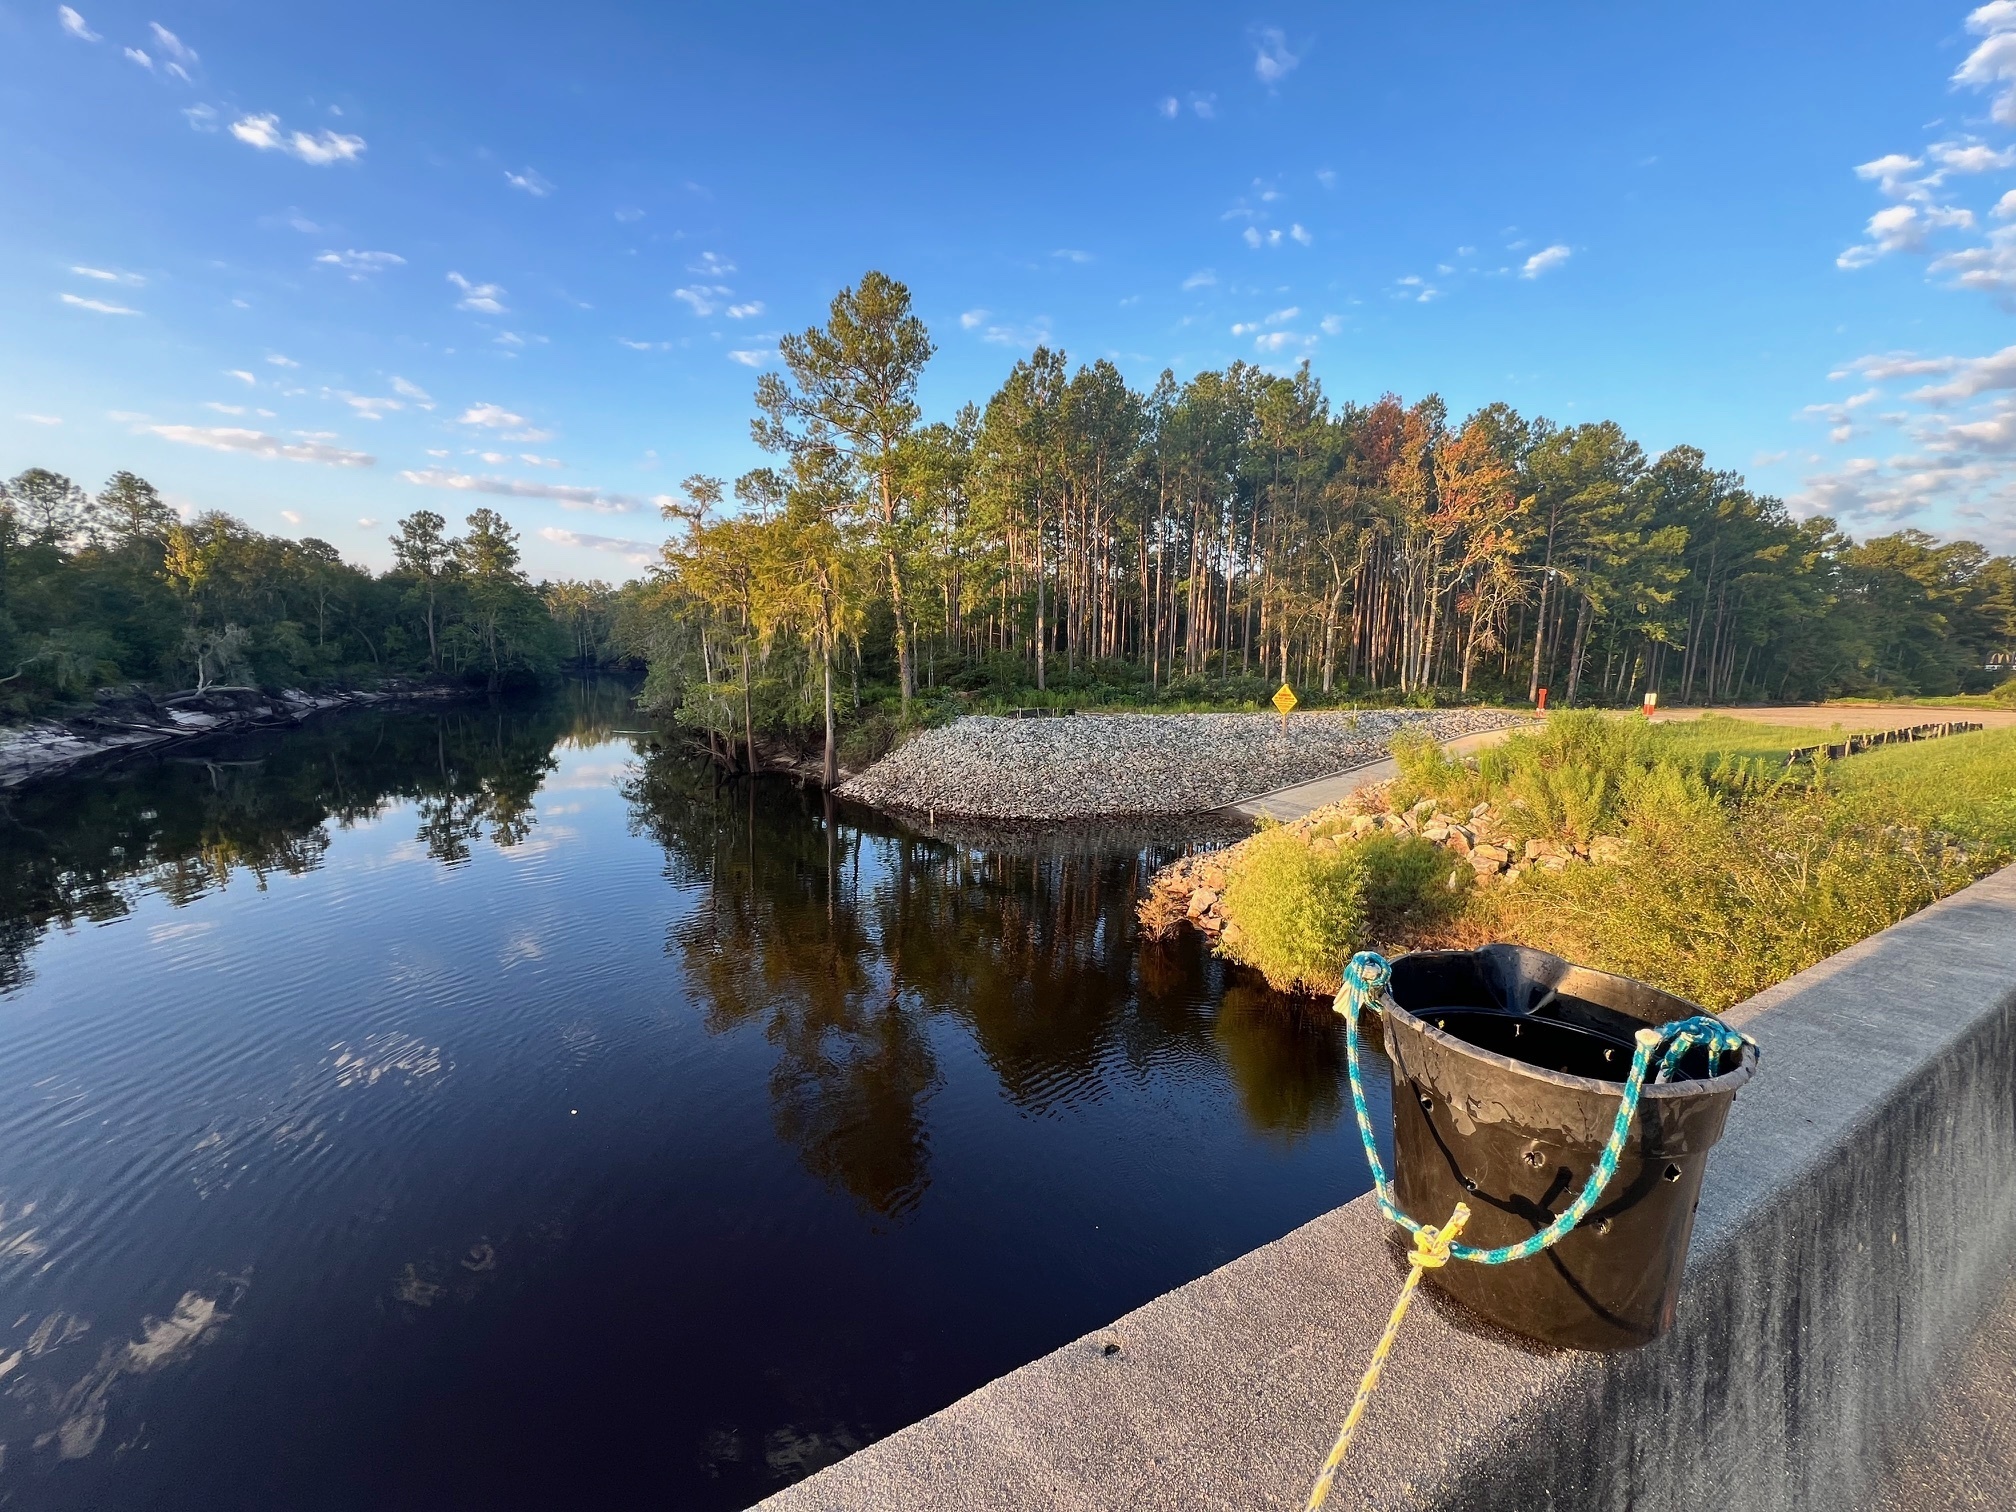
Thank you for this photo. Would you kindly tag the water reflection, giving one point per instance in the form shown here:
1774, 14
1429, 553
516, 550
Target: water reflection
496, 1114
181, 826
851, 938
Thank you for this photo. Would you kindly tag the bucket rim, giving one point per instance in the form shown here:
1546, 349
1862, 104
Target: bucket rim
1728, 1081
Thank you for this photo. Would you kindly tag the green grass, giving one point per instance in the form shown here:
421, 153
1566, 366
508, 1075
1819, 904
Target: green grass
1737, 872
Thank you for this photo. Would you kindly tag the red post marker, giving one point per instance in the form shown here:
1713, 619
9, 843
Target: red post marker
1541, 703
1651, 702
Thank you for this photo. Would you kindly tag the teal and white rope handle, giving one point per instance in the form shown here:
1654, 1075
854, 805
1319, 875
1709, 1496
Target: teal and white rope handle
1366, 977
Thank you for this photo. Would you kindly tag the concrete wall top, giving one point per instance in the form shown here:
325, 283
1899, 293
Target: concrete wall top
1856, 1222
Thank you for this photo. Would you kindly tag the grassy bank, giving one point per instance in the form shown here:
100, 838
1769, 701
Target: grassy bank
1716, 871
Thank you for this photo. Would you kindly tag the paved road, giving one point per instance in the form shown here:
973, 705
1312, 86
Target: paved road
1293, 802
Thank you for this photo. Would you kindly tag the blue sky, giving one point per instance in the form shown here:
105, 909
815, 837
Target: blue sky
321, 266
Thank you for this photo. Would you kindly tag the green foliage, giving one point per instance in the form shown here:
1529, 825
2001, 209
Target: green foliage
1717, 900
116, 589
1299, 910
1735, 872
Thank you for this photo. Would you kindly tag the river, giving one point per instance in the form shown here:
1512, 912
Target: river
475, 1107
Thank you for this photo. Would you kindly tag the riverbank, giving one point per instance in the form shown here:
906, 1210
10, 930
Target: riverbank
1135, 765
134, 722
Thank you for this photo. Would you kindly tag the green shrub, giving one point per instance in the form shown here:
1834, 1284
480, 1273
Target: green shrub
1717, 900
1295, 910
1300, 909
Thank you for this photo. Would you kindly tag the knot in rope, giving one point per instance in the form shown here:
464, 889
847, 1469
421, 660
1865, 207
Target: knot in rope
1431, 1245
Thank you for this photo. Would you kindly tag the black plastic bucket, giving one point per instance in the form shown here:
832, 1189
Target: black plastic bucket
1508, 1064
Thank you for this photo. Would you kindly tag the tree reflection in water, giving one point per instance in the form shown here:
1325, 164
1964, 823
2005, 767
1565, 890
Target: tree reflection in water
87, 849
855, 941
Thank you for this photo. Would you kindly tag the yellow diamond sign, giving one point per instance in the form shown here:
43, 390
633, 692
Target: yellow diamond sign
1285, 699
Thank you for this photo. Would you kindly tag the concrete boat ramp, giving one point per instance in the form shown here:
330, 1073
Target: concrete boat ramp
1302, 798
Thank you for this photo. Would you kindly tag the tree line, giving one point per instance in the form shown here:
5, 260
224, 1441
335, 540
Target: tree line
116, 588
1242, 525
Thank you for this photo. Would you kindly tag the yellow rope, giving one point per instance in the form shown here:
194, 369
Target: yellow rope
1430, 1252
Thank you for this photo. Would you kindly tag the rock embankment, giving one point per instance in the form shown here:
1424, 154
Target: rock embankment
1132, 765
1192, 889
130, 722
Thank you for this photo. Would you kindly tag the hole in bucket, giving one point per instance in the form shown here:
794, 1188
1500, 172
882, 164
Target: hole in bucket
1602, 1225
1109, 1348
1427, 1102
1469, 1185
1672, 1173
1534, 1158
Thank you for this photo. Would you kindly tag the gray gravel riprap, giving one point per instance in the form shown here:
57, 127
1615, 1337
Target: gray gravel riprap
1134, 764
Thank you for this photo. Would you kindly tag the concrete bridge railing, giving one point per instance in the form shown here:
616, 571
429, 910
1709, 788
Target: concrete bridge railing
1859, 1220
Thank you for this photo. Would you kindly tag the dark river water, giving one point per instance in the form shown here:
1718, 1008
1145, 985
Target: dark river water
471, 1107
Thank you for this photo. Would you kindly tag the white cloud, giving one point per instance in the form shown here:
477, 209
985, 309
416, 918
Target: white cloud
361, 265
173, 46
712, 264
744, 311
1891, 173
2005, 206
1301, 234
137, 56
367, 408
1274, 343
641, 553
1331, 325
41, 419
1956, 467
1072, 254
483, 298
1203, 278
1282, 317
1025, 337
568, 496
1272, 61
409, 390
1204, 106
290, 516
1990, 267
75, 25
752, 357
644, 346
257, 443
281, 362
106, 275
532, 181
78, 301
240, 374
626, 214
532, 459
1970, 376
704, 299
224, 409
1168, 107
201, 117
972, 319
319, 148
1545, 261
1327, 177
366, 521
1972, 157
1993, 62
490, 417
